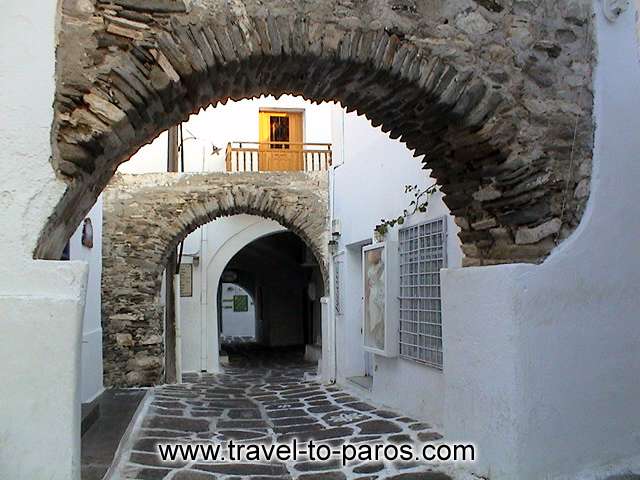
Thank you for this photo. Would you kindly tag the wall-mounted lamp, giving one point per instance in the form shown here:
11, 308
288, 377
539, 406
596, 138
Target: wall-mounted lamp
333, 247
87, 233
336, 227
614, 8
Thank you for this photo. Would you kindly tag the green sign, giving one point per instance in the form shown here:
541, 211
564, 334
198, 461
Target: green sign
240, 303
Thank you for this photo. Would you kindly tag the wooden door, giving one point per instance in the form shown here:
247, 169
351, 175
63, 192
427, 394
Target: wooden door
281, 137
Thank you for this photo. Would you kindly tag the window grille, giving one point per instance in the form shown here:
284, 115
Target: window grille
422, 255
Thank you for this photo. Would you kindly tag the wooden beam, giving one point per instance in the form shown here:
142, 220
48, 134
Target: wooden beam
170, 323
170, 372
172, 150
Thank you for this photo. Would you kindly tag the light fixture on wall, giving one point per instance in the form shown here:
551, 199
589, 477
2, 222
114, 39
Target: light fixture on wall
229, 276
336, 227
87, 233
333, 246
336, 231
614, 8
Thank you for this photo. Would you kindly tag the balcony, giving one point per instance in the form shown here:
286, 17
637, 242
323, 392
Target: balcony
278, 157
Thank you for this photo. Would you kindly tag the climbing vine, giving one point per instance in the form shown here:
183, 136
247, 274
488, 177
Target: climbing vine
418, 204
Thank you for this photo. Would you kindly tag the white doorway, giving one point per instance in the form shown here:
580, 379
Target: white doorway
238, 317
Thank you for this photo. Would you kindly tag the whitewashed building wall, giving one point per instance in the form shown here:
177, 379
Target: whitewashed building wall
368, 184
91, 371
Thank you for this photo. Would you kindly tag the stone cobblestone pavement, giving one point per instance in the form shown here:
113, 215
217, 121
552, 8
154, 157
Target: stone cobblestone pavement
267, 400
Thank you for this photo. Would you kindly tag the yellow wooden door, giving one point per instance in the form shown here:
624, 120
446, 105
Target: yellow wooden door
281, 137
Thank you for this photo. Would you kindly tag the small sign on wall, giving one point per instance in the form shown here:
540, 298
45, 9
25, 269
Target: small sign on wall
186, 280
240, 303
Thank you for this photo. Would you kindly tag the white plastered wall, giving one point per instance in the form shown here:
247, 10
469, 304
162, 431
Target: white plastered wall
91, 365
225, 237
237, 324
543, 360
233, 122
359, 150
573, 388
41, 303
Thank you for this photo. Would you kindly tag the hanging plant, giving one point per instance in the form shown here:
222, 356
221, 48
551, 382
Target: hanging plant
418, 204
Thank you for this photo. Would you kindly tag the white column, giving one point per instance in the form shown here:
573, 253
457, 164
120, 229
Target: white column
328, 364
481, 353
212, 339
204, 262
178, 319
41, 313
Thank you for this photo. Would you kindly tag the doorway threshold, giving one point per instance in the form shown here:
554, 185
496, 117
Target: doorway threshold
364, 381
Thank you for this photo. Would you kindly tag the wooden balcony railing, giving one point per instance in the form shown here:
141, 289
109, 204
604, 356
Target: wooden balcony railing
277, 156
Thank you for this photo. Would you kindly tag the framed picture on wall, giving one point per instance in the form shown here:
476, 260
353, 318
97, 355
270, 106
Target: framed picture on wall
186, 280
380, 297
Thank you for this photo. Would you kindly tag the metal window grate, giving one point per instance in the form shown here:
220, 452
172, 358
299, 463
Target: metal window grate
422, 255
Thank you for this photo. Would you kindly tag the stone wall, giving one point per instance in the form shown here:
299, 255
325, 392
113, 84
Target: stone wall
496, 94
146, 216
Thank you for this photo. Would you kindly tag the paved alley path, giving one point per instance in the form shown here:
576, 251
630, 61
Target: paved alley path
266, 401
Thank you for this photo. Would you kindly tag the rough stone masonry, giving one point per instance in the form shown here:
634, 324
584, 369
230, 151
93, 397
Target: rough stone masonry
147, 216
496, 94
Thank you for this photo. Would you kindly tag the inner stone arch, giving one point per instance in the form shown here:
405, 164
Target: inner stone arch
480, 115
283, 319
145, 218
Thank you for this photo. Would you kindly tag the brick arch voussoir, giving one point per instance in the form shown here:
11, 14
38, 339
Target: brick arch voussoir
441, 102
137, 247
158, 82
305, 221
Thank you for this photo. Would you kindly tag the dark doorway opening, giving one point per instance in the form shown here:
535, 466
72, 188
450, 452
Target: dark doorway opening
283, 284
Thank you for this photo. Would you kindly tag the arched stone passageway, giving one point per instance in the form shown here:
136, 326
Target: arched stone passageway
477, 87
550, 316
287, 287
214, 270
146, 217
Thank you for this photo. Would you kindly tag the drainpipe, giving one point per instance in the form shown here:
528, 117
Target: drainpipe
173, 342
178, 327
327, 367
204, 262
171, 270
332, 374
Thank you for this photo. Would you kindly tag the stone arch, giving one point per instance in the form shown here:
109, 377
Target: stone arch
147, 216
226, 254
477, 87
217, 265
